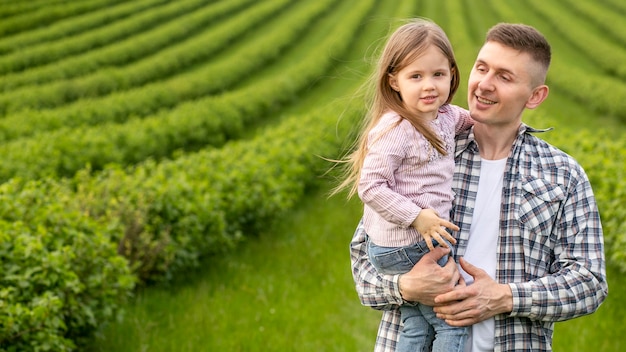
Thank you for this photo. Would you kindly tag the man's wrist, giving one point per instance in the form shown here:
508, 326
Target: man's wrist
506, 299
396, 289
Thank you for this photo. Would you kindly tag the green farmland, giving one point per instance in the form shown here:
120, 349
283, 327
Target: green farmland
164, 178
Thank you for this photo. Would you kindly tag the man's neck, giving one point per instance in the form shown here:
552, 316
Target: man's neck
494, 142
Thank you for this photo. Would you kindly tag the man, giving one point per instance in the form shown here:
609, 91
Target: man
530, 242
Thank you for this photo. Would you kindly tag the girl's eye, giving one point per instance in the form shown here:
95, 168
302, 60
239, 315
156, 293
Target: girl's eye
416, 76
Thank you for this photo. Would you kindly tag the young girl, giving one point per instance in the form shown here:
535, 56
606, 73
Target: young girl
403, 167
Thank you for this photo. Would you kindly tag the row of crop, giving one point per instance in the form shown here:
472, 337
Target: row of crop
50, 14
147, 100
617, 6
10, 8
603, 94
154, 19
74, 25
612, 23
179, 57
608, 55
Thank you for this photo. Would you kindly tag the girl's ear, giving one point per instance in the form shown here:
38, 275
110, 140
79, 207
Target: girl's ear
393, 82
539, 95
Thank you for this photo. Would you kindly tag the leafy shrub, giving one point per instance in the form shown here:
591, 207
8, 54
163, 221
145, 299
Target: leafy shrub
60, 276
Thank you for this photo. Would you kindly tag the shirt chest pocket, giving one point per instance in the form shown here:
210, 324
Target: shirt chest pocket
539, 202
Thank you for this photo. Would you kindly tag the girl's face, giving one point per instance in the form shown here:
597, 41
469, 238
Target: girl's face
424, 84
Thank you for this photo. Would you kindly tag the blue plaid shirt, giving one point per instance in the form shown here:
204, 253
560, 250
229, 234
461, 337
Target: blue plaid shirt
550, 249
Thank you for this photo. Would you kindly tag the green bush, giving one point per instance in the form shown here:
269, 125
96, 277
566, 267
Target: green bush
60, 275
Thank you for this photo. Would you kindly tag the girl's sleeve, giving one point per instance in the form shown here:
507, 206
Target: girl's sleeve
376, 185
463, 119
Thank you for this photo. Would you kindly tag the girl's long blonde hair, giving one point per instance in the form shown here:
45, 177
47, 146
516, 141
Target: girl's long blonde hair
404, 46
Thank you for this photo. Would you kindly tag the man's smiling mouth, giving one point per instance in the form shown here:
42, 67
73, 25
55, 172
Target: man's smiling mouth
485, 101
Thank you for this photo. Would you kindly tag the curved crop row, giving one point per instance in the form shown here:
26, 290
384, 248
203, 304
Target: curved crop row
210, 121
10, 8
179, 57
612, 23
603, 94
149, 99
50, 14
614, 5
609, 56
48, 52
75, 25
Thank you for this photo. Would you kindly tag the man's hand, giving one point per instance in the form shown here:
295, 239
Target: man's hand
430, 225
428, 279
470, 304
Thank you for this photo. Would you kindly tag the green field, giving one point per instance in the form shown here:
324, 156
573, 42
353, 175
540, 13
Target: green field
163, 159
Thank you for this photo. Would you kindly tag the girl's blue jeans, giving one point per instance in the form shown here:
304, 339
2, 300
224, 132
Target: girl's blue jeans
422, 330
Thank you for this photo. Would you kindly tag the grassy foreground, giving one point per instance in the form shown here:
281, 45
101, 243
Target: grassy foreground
291, 289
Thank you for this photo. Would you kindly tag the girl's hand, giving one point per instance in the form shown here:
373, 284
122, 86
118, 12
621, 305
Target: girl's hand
430, 226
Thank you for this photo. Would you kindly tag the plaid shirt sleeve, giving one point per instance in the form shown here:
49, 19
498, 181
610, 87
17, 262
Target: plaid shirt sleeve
374, 290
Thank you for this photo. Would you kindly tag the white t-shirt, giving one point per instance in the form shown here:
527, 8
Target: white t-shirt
483, 241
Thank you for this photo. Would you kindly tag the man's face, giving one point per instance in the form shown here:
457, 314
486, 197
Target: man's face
500, 85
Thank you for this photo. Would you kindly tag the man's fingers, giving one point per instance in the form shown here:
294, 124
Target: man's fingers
437, 253
448, 297
469, 268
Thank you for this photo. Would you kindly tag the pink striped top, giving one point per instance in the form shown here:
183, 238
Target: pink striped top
403, 174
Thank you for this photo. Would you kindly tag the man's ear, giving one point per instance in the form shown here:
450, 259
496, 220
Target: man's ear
539, 94
393, 82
